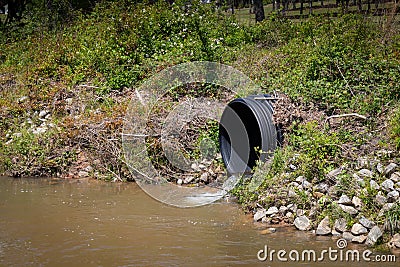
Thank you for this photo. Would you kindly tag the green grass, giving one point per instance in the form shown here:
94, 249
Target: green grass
392, 219
395, 127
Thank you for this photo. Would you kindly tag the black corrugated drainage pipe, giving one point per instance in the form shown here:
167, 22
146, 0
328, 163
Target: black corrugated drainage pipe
247, 133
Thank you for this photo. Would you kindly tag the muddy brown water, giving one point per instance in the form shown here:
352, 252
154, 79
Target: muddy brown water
62, 223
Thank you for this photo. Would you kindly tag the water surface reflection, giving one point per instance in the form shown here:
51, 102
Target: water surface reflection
61, 223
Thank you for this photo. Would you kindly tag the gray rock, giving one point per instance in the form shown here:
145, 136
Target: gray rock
88, 168
340, 225
259, 214
359, 239
17, 135
332, 191
360, 181
313, 212
390, 169
39, 130
373, 236
179, 182
275, 220
380, 199
383, 153
348, 209
395, 177
362, 162
334, 173
374, 185
22, 99
380, 168
366, 223
83, 174
345, 200
195, 167
43, 113
283, 209
202, 166
300, 179
292, 207
69, 101
323, 227
188, 179
266, 220
357, 202
322, 187
306, 185
204, 177
289, 215
335, 233
302, 223
294, 184
388, 185
348, 236
393, 196
365, 173
395, 241
271, 211
299, 212
292, 193
358, 229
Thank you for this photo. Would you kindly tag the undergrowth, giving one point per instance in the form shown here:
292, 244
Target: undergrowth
340, 65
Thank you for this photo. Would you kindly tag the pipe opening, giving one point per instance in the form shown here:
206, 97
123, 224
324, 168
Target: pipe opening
245, 130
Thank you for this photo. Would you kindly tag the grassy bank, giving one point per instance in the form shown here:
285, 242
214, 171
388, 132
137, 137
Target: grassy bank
64, 89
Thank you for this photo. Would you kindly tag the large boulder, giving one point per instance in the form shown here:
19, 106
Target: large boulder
302, 223
373, 236
358, 229
323, 227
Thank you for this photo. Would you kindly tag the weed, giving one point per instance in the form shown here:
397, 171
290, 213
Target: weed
395, 128
392, 221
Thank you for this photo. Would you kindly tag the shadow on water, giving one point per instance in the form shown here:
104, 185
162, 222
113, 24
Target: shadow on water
46, 222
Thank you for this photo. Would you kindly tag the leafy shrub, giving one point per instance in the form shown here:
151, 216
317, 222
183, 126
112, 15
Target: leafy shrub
317, 150
395, 128
28, 154
121, 42
340, 63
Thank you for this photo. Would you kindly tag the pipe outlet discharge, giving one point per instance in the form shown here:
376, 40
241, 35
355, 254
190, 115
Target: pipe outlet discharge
247, 133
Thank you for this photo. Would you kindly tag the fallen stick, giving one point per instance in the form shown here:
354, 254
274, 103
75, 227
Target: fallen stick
346, 115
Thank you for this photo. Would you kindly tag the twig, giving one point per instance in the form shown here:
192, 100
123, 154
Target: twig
266, 98
88, 86
347, 84
346, 115
141, 135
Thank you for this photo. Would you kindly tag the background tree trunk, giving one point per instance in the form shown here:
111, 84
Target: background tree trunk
259, 10
301, 6
359, 4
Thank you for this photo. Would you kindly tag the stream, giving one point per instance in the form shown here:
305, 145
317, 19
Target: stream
50, 222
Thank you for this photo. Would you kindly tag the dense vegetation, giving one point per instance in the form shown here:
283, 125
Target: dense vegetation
65, 84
